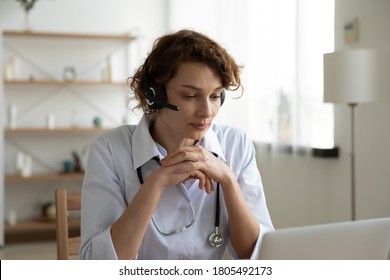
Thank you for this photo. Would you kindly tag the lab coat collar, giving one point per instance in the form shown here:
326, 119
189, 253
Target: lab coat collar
211, 143
144, 147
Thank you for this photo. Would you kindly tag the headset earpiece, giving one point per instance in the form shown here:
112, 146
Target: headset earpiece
222, 97
155, 96
153, 93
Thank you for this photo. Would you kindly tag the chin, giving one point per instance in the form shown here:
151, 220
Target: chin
196, 136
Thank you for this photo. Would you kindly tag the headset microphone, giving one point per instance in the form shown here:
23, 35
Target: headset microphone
170, 106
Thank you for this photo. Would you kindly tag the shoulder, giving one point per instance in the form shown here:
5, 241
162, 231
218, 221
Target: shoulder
227, 134
118, 136
233, 141
237, 147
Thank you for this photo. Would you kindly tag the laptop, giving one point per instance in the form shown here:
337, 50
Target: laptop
354, 240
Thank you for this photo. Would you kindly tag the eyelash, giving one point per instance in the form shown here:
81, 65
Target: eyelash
214, 97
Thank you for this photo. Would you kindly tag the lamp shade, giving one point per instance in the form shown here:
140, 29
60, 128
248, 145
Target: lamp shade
351, 76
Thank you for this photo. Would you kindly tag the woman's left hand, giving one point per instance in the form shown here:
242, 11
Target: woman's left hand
211, 166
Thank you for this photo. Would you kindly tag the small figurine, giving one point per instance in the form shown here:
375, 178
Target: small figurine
77, 162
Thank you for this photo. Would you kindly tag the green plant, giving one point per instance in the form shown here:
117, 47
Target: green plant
27, 4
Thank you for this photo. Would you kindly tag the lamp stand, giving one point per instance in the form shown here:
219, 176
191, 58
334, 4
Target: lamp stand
353, 187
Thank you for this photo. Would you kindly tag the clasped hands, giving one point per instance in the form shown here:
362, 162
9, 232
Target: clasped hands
193, 162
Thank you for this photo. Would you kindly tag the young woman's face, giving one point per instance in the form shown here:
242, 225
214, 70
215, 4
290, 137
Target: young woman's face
197, 90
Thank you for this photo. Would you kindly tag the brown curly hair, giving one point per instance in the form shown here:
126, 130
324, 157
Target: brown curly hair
172, 49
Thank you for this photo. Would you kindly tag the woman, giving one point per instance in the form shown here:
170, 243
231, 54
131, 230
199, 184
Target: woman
176, 186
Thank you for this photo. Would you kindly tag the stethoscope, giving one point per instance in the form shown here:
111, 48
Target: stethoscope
215, 238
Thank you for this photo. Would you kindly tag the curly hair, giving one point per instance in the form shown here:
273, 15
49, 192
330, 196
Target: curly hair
173, 49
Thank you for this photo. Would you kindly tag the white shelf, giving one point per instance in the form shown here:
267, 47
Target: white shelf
56, 35
61, 82
60, 130
45, 177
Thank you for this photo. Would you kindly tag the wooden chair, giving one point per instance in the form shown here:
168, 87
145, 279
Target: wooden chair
67, 247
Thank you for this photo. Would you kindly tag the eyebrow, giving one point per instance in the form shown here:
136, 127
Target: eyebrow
198, 89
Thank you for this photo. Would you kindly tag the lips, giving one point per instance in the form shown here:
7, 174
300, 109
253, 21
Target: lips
200, 126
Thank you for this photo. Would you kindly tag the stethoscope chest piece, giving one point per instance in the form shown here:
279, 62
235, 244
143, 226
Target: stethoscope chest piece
216, 239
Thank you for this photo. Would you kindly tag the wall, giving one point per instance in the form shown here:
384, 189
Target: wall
372, 120
1, 148
297, 187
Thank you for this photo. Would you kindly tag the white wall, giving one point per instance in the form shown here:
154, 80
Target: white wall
372, 120
297, 187
1, 147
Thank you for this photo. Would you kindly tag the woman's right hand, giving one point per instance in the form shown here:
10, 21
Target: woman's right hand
179, 173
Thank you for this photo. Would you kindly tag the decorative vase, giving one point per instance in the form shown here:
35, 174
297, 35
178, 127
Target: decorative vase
97, 122
27, 23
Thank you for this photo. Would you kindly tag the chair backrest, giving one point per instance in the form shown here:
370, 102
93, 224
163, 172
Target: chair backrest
66, 246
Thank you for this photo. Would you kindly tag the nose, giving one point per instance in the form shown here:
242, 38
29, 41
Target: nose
205, 109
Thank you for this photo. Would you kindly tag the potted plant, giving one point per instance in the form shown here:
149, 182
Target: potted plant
27, 6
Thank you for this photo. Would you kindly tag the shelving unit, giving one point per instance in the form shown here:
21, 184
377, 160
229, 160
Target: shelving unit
42, 85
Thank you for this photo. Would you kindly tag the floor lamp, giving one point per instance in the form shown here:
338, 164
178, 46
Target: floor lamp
351, 77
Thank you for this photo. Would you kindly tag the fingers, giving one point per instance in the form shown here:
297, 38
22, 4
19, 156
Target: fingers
188, 153
209, 185
204, 181
187, 170
191, 160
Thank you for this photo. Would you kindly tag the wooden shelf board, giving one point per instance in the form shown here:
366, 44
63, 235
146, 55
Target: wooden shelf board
55, 130
57, 35
35, 230
63, 83
45, 177
38, 225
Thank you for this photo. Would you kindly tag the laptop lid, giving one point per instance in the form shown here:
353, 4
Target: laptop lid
363, 239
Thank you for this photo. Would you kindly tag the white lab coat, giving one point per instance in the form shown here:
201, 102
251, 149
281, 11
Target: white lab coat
111, 182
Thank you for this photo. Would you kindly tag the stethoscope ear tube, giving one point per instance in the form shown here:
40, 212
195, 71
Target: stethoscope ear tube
215, 238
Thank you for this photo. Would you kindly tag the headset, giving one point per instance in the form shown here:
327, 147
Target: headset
156, 96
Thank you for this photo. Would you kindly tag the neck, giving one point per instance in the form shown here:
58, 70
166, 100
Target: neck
168, 139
